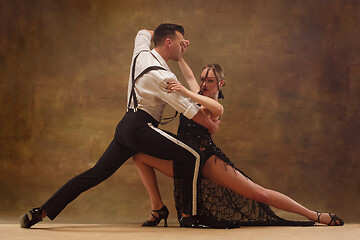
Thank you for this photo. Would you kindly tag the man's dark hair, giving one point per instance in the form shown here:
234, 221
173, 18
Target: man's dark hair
166, 30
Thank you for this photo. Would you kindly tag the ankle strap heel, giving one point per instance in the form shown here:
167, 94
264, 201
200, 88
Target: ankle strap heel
335, 220
163, 214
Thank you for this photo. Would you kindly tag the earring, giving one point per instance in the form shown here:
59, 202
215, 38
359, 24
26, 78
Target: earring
220, 95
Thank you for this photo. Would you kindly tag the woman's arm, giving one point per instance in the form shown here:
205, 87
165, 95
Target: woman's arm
189, 76
213, 106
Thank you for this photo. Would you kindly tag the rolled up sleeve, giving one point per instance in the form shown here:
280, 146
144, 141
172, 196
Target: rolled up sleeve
142, 41
191, 111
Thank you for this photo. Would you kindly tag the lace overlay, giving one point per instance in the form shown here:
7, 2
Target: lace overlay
220, 206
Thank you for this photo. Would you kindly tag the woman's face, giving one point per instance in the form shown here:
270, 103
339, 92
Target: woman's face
209, 85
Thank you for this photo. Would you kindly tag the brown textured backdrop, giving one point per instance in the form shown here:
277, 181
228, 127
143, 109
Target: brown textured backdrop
292, 102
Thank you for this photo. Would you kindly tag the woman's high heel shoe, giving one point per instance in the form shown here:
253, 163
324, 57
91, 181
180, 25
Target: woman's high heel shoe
163, 214
334, 219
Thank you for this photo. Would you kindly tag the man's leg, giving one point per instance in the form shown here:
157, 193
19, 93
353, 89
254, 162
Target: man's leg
114, 156
139, 133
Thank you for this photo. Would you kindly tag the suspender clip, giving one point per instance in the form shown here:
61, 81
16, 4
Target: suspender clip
131, 109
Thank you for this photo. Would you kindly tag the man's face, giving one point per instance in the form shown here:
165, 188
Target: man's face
175, 46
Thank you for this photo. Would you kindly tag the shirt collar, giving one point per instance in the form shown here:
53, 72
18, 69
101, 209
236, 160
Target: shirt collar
161, 60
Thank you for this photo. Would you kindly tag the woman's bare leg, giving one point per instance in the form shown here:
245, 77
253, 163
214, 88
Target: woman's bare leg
145, 165
216, 172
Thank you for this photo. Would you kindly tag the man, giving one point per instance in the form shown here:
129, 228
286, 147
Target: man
138, 132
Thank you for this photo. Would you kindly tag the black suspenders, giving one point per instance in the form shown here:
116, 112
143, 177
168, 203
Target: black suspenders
133, 79
133, 94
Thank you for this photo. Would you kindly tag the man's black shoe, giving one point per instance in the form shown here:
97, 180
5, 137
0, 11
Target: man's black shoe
192, 222
31, 217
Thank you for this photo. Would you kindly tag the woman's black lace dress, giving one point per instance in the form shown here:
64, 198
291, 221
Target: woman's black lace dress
220, 206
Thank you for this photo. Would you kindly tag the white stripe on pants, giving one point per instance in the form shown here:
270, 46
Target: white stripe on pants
197, 164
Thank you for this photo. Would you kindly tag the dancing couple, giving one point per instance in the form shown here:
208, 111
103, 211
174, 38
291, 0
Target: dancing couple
209, 190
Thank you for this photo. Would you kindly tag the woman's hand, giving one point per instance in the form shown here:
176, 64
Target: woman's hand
178, 87
184, 44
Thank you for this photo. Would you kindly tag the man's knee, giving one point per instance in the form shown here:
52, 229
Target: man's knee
194, 155
136, 160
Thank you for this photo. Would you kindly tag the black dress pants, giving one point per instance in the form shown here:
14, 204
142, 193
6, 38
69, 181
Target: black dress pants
136, 132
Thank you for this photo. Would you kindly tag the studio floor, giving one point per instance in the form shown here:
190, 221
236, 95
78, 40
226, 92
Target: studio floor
61, 231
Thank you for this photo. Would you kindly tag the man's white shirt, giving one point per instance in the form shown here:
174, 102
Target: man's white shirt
150, 89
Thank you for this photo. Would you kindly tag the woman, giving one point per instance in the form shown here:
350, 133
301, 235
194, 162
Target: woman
228, 198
